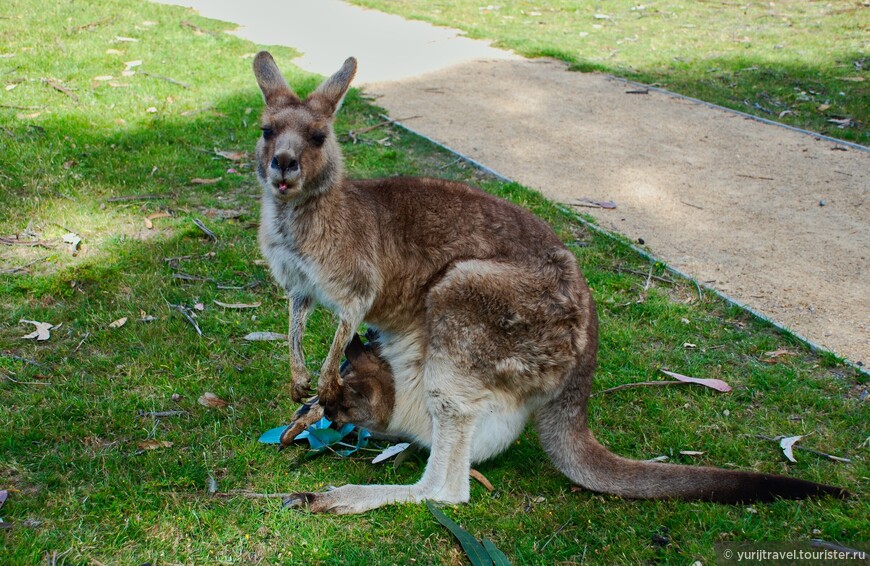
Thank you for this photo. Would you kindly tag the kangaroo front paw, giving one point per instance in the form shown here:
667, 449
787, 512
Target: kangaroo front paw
300, 390
329, 390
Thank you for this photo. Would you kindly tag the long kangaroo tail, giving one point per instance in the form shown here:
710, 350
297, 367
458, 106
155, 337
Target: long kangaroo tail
571, 445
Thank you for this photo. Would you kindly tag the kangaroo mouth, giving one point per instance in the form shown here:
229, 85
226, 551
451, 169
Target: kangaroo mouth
286, 188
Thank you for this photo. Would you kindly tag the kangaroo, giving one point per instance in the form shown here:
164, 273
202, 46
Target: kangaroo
483, 315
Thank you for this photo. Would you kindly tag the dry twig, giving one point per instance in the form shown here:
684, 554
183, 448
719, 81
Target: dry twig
639, 384
167, 79
60, 88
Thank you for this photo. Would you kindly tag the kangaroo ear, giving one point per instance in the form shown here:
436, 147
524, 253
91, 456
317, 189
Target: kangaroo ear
272, 83
333, 89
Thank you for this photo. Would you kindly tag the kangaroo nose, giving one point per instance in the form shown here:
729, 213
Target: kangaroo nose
284, 162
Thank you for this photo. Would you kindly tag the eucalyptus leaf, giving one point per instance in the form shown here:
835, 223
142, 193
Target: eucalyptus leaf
475, 551
498, 557
273, 435
390, 451
322, 437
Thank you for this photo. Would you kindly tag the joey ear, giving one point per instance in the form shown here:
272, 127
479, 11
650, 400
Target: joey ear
374, 338
355, 350
333, 89
275, 90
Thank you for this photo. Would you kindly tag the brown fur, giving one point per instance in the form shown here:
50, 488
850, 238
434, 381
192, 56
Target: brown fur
484, 315
368, 393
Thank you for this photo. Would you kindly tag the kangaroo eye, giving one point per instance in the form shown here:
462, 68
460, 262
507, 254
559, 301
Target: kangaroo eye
318, 138
267, 132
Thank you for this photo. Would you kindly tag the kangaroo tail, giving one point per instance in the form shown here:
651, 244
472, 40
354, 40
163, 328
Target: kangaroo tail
575, 451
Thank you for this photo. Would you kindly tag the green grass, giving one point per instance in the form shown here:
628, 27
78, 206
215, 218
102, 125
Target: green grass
802, 63
81, 491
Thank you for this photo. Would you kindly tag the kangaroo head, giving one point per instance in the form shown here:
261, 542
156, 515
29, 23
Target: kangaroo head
368, 392
298, 155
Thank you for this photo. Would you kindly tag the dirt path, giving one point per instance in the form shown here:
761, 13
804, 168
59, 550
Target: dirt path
773, 218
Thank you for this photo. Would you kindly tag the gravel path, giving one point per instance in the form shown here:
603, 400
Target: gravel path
774, 218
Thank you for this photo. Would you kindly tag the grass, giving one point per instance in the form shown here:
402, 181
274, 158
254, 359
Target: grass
81, 491
801, 63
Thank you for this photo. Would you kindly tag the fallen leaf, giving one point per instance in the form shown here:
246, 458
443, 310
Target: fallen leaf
773, 356
823, 107
658, 459
390, 451
475, 551
238, 305
118, 323
212, 401
103, 78
148, 219
147, 317
591, 203
841, 122
199, 306
265, 337
222, 213
199, 181
716, 384
786, 444
273, 435
42, 331
689, 346
691, 453
74, 242
231, 155
482, 479
153, 444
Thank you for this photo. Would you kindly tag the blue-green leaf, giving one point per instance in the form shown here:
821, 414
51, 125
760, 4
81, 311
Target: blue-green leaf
362, 439
273, 436
322, 437
472, 547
